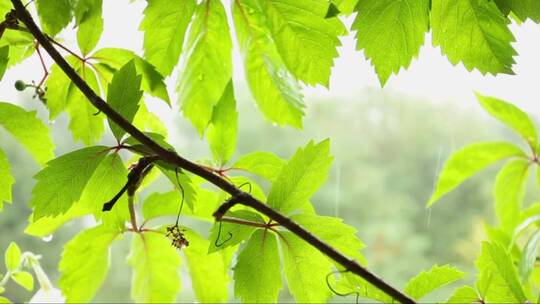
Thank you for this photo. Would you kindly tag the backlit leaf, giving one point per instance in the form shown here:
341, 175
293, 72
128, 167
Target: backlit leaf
509, 191
164, 25
233, 234
391, 32
155, 262
528, 256
264, 164
12, 256
305, 39
54, 15
123, 95
468, 161
473, 32
85, 263
4, 58
427, 281
257, 273
465, 294
63, 180
24, 279
30, 131
208, 64
300, 178
6, 179
223, 128
90, 24
526, 9
275, 90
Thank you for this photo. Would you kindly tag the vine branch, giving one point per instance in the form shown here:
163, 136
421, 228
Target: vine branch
173, 158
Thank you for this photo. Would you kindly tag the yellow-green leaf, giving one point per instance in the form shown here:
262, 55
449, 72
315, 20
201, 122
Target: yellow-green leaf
12, 257
24, 279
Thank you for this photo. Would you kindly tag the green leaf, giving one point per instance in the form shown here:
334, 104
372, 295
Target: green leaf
525, 9
208, 64
4, 300
233, 234
528, 256
84, 124
152, 81
223, 128
277, 93
479, 29
257, 273
264, 164
45, 226
21, 45
468, 161
511, 116
147, 121
465, 294
168, 203
6, 179
155, 269
58, 85
208, 272
346, 7
12, 257
107, 180
305, 39
30, 131
427, 281
124, 95
4, 58
164, 25
88, 19
24, 279
85, 263
300, 178
306, 269
333, 231
509, 191
498, 280
54, 15
62, 182
391, 33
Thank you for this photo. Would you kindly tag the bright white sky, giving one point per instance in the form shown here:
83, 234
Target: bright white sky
431, 76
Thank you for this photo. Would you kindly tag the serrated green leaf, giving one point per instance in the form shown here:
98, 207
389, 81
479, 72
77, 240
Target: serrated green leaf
468, 161
528, 256
21, 45
185, 188
58, 85
346, 7
223, 128
4, 300
306, 269
511, 116
275, 90
208, 272
427, 281
63, 180
12, 256
264, 164
107, 180
147, 121
257, 273
526, 9
30, 131
333, 231
233, 234
400, 24
155, 269
123, 95
168, 203
300, 178
305, 39
509, 191
84, 124
6, 179
24, 279
479, 29
497, 279
208, 64
45, 226
4, 59
164, 25
54, 15
112, 59
90, 24
85, 263
465, 294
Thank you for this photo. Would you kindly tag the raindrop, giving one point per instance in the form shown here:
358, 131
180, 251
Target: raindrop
47, 238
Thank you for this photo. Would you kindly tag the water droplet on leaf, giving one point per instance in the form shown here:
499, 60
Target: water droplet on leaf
47, 238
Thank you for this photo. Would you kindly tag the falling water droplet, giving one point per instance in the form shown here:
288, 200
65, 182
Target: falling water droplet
47, 238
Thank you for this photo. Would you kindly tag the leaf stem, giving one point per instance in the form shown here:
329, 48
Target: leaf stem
132, 214
176, 160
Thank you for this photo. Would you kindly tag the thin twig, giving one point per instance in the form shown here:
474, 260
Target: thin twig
176, 160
